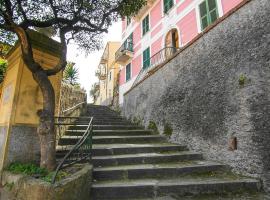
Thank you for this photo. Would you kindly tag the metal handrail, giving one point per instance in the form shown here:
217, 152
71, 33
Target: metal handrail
84, 141
156, 60
73, 107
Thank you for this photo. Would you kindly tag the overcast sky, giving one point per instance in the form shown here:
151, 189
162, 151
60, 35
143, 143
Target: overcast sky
88, 65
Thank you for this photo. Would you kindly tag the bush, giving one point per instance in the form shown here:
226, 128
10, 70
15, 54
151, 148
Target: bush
152, 125
167, 129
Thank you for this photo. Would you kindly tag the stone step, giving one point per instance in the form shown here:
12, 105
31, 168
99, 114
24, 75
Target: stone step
111, 132
237, 195
162, 170
122, 149
117, 127
154, 188
72, 140
145, 158
104, 123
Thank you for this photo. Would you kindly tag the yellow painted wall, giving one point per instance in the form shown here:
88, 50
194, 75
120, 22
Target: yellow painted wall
107, 85
21, 97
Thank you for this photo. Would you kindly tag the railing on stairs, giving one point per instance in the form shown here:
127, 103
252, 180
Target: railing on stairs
81, 151
156, 60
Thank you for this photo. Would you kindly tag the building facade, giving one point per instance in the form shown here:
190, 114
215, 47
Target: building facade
161, 28
107, 74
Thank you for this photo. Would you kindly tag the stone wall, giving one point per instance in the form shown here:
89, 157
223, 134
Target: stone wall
71, 96
216, 89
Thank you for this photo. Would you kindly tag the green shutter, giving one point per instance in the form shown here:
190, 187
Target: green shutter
145, 24
128, 72
146, 58
168, 4
208, 13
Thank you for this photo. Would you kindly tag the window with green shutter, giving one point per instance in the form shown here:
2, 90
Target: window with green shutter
128, 20
167, 4
146, 58
128, 72
145, 25
208, 12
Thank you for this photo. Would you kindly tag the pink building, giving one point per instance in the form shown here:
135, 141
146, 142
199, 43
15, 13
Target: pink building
161, 28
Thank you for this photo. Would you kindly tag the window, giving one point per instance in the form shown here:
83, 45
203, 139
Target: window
145, 25
208, 13
129, 43
110, 76
128, 72
146, 58
128, 20
167, 4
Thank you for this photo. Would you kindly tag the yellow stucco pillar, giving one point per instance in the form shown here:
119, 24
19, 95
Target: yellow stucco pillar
21, 99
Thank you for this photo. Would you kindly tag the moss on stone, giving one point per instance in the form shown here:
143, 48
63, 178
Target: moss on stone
242, 79
152, 126
167, 129
137, 121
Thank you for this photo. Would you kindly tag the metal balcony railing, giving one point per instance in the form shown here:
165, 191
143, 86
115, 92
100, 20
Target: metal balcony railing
156, 60
126, 47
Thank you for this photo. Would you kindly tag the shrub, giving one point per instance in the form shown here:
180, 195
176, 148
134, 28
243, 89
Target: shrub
167, 129
152, 125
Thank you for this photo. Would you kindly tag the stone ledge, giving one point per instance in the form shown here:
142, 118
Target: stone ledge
21, 187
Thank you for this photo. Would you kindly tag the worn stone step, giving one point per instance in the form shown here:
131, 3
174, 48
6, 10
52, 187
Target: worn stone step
104, 123
153, 188
135, 132
117, 127
122, 149
145, 158
72, 140
138, 139
162, 170
236, 195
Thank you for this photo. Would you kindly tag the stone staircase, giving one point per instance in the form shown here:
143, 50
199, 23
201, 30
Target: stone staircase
133, 163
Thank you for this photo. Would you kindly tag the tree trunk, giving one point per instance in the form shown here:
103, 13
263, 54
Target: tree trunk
46, 126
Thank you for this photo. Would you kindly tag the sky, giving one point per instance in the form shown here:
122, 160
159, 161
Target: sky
87, 65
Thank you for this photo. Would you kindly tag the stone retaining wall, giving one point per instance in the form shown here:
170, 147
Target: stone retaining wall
71, 96
216, 90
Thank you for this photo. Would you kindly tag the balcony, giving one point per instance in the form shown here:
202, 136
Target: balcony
125, 53
101, 76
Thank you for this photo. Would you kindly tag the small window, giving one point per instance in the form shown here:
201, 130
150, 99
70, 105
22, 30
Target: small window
128, 20
128, 72
208, 13
110, 76
168, 4
145, 25
146, 58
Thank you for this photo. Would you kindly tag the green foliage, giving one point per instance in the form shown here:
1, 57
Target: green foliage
94, 90
167, 129
71, 74
242, 79
152, 125
27, 169
4, 49
137, 121
33, 170
3, 68
61, 175
131, 7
